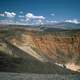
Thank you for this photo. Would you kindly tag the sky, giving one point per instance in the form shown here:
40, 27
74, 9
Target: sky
39, 11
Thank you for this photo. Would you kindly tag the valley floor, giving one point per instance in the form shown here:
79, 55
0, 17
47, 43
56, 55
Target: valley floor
28, 76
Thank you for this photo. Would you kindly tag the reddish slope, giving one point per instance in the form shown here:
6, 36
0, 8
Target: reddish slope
60, 49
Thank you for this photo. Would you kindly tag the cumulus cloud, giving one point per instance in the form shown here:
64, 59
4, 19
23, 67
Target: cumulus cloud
73, 21
39, 22
9, 14
32, 16
28, 18
8, 17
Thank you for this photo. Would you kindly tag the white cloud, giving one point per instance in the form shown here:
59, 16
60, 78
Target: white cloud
8, 18
11, 22
9, 14
32, 16
51, 21
32, 19
52, 14
39, 22
6, 21
29, 18
2, 15
73, 21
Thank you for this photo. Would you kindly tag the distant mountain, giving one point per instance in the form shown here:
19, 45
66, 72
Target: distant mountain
60, 25
63, 25
68, 25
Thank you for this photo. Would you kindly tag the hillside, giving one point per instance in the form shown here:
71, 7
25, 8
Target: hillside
47, 50
16, 60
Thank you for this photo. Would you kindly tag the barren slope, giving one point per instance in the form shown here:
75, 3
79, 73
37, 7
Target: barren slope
56, 47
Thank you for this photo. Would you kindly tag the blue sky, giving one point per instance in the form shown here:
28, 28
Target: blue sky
39, 11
